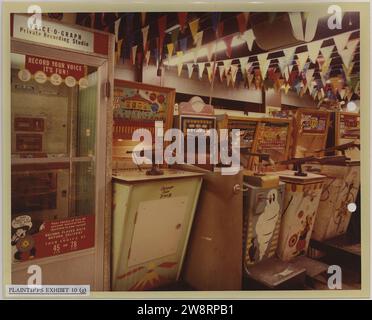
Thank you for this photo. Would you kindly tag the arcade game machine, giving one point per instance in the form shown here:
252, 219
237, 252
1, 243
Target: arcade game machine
264, 207
59, 152
214, 254
333, 238
196, 118
310, 128
153, 205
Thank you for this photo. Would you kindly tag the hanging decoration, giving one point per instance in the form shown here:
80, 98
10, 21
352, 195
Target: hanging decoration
264, 63
143, 18
242, 19
170, 48
221, 70
313, 49
198, 39
194, 26
228, 41
182, 16
234, 70
133, 54
201, 66
210, 71
162, 24
183, 44
180, 62
249, 38
145, 32
190, 69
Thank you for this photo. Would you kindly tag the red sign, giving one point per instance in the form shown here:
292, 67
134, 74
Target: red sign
49, 67
55, 237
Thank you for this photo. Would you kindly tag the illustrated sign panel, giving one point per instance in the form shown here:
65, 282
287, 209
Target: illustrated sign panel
31, 239
313, 122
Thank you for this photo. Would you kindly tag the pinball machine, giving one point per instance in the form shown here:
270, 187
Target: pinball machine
153, 204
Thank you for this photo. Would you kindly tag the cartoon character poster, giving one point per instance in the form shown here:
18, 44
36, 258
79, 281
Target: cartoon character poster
263, 209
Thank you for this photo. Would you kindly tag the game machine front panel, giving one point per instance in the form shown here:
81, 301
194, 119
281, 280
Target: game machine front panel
153, 205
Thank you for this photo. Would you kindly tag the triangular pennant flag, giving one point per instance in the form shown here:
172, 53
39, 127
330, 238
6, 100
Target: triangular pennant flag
228, 79
221, 70
201, 66
341, 40
313, 49
182, 16
289, 54
234, 71
145, 32
118, 50
282, 63
198, 39
220, 29
116, 29
215, 20
326, 52
210, 48
302, 57
286, 88
183, 44
250, 77
227, 64
348, 70
162, 24
190, 69
210, 69
309, 75
243, 62
346, 56
290, 67
264, 63
134, 51
286, 73
194, 26
146, 46
342, 93
170, 48
179, 62
352, 44
249, 37
242, 19
228, 42
147, 57
143, 18
306, 67
243, 66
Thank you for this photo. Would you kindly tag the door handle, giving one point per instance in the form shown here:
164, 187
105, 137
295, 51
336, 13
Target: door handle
238, 188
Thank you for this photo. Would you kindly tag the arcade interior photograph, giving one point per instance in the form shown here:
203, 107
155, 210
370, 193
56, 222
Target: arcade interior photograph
174, 151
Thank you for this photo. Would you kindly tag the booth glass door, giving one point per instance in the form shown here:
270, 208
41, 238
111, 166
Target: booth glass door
56, 173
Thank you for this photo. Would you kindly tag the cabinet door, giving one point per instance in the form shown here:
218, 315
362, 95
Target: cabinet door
214, 255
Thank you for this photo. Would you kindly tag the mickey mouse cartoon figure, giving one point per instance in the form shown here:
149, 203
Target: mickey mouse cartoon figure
22, 241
